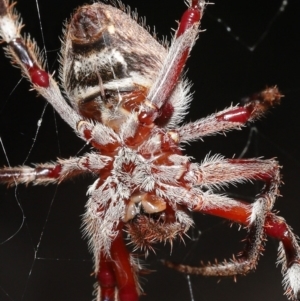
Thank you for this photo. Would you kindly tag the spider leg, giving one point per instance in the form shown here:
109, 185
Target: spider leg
231, 118
217, 171
274, 226
106, 280
53, 172
179, 50
257, 217
117, 273
24, 53
236, 170
124, 269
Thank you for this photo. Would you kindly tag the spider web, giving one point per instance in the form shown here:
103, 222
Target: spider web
246, 46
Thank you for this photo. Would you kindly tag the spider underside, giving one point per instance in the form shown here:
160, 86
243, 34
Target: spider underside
127, 97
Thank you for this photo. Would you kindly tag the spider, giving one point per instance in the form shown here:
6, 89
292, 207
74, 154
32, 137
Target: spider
126, 97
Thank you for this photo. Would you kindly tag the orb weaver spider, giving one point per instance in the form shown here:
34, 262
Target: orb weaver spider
126, 97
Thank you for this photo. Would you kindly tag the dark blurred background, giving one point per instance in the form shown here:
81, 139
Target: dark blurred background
47, 259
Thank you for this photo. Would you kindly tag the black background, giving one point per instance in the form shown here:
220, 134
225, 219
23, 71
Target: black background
222, 70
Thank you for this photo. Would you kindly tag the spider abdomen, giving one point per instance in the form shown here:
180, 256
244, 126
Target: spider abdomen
103, 63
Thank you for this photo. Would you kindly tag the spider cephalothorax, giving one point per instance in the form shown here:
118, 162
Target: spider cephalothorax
127, 98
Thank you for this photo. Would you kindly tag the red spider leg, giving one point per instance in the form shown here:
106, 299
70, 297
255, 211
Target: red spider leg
257, 217
106, 279
53, 172
117, 272
259, 209
25, 53
274, 226
231, 118
177, 55
125, 275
